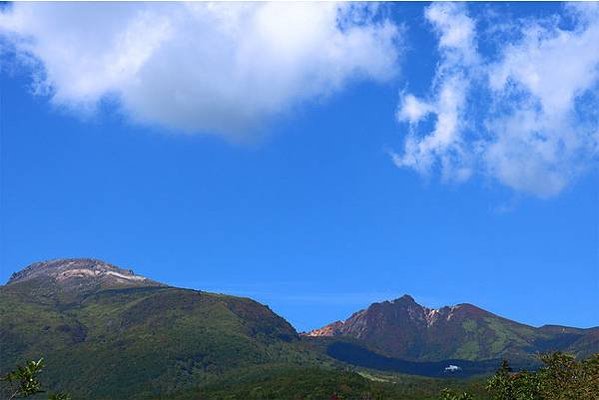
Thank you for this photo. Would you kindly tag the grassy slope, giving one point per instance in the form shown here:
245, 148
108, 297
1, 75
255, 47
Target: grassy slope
135, 343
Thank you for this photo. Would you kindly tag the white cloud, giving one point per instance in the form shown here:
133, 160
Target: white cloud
444, 145
413, 109
200, 67
540, 144
456, 31
531, 135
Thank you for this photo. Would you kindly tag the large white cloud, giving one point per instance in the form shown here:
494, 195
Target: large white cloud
199, 67
526, 117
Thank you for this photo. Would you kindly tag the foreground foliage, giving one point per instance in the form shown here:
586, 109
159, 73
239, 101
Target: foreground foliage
561, 377
24, 382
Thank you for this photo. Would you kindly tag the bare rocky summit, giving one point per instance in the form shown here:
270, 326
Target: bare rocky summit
78, 272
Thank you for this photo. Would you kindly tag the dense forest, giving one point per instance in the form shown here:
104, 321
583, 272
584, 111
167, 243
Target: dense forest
561, 377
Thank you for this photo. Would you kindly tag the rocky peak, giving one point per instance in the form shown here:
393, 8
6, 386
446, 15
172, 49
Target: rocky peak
79, 271
405, 299
402, 312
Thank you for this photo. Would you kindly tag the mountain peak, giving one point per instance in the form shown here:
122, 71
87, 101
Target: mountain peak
78, 271
403, 328
406, 298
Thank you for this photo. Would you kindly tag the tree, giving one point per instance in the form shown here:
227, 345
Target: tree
24, 382
501, 385
565, 378
561, 377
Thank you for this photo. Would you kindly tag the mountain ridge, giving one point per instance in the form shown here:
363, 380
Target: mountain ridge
431, 316
403, 329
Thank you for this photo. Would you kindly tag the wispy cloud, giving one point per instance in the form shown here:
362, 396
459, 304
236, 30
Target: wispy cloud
199, 67
447, 103
527, 117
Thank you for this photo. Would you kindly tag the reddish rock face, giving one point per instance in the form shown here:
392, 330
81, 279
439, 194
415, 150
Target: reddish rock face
334, 329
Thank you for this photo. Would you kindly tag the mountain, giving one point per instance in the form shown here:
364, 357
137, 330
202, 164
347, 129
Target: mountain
108, 333
403, 329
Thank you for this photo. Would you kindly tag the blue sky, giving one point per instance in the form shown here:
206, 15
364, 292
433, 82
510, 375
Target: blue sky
433, 149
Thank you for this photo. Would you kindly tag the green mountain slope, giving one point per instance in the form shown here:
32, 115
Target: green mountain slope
124, 339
